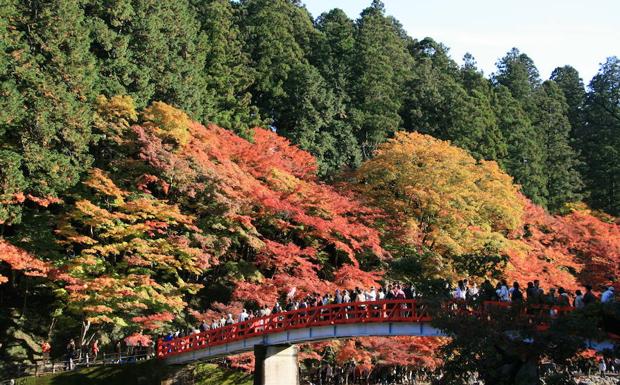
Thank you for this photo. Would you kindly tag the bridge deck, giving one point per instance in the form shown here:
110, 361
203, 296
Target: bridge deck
378, 318
403, 317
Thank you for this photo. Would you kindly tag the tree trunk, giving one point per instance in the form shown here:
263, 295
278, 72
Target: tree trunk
85, 327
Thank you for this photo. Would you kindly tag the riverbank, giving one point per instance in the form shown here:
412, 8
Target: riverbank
146, 373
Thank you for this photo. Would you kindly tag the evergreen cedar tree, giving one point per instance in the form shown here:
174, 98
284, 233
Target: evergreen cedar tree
262, 223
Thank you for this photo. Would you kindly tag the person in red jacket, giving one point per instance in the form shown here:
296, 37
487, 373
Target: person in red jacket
95, 349
46, 348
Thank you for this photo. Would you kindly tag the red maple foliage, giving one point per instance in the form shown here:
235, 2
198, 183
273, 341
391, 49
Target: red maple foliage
138, 339
567, 251
419, 352
217, 310
244, 361
153, 321
20, 260
296, 232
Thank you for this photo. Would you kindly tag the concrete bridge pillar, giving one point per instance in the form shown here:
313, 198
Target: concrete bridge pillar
276, 365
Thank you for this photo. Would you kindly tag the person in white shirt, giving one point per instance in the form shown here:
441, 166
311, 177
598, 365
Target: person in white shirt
602, 367
381, 294
361, 296
608, 295
371, 295
243, 316
504, 293
266, 311
473, 290
346, 297
461, 291
578, 303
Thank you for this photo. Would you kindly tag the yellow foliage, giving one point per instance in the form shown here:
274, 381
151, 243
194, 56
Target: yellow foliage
99, 181
130, 239
282, 181
168, 123
114, 116
443, 198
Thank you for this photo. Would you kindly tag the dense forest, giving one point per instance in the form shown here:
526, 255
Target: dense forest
379, 157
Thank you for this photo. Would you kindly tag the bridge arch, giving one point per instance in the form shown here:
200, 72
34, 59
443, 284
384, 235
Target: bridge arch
383, 318
274, 338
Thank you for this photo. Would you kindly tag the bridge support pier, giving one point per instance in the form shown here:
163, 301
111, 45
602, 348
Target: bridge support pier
276, 365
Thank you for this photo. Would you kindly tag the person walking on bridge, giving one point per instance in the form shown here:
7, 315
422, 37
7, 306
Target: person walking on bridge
589, 297
608, 295
578, 303
515, 293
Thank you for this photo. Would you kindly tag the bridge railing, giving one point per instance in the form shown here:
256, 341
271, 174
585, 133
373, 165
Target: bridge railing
401, 310
405, 310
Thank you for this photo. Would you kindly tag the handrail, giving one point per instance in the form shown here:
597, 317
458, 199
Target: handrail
405, 310
395, 310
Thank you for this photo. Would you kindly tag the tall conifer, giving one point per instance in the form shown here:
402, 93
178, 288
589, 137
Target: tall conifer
601, 138
48, 76
228, 75
151, 50
563, 180
381, 66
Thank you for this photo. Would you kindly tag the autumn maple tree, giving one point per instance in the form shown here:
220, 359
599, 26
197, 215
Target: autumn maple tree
131, 258
578, 248
446, 207
263, 202
18, 260
441, 199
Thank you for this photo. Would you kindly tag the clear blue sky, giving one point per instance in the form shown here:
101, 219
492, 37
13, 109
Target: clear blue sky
582, 33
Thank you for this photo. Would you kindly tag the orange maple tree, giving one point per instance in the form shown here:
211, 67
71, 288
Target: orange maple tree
568, 250
264, 202
21, 261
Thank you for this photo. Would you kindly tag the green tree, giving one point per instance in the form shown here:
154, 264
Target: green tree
517, 71
563, 180
451, 103
504, 346
310, 109
151, 50
601, 138
47, 77
228, 74
381, 67
525, 159
289, 90
517, 75
332, 55
433, 94
567, 78
277, 36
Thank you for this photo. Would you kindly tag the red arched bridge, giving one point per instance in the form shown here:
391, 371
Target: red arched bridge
404, 317
273, 338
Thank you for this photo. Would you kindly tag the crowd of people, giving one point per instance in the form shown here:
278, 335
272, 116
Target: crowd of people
533, 294
464, 290
392, 291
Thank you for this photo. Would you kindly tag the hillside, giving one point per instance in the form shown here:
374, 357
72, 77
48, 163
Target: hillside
165, 163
